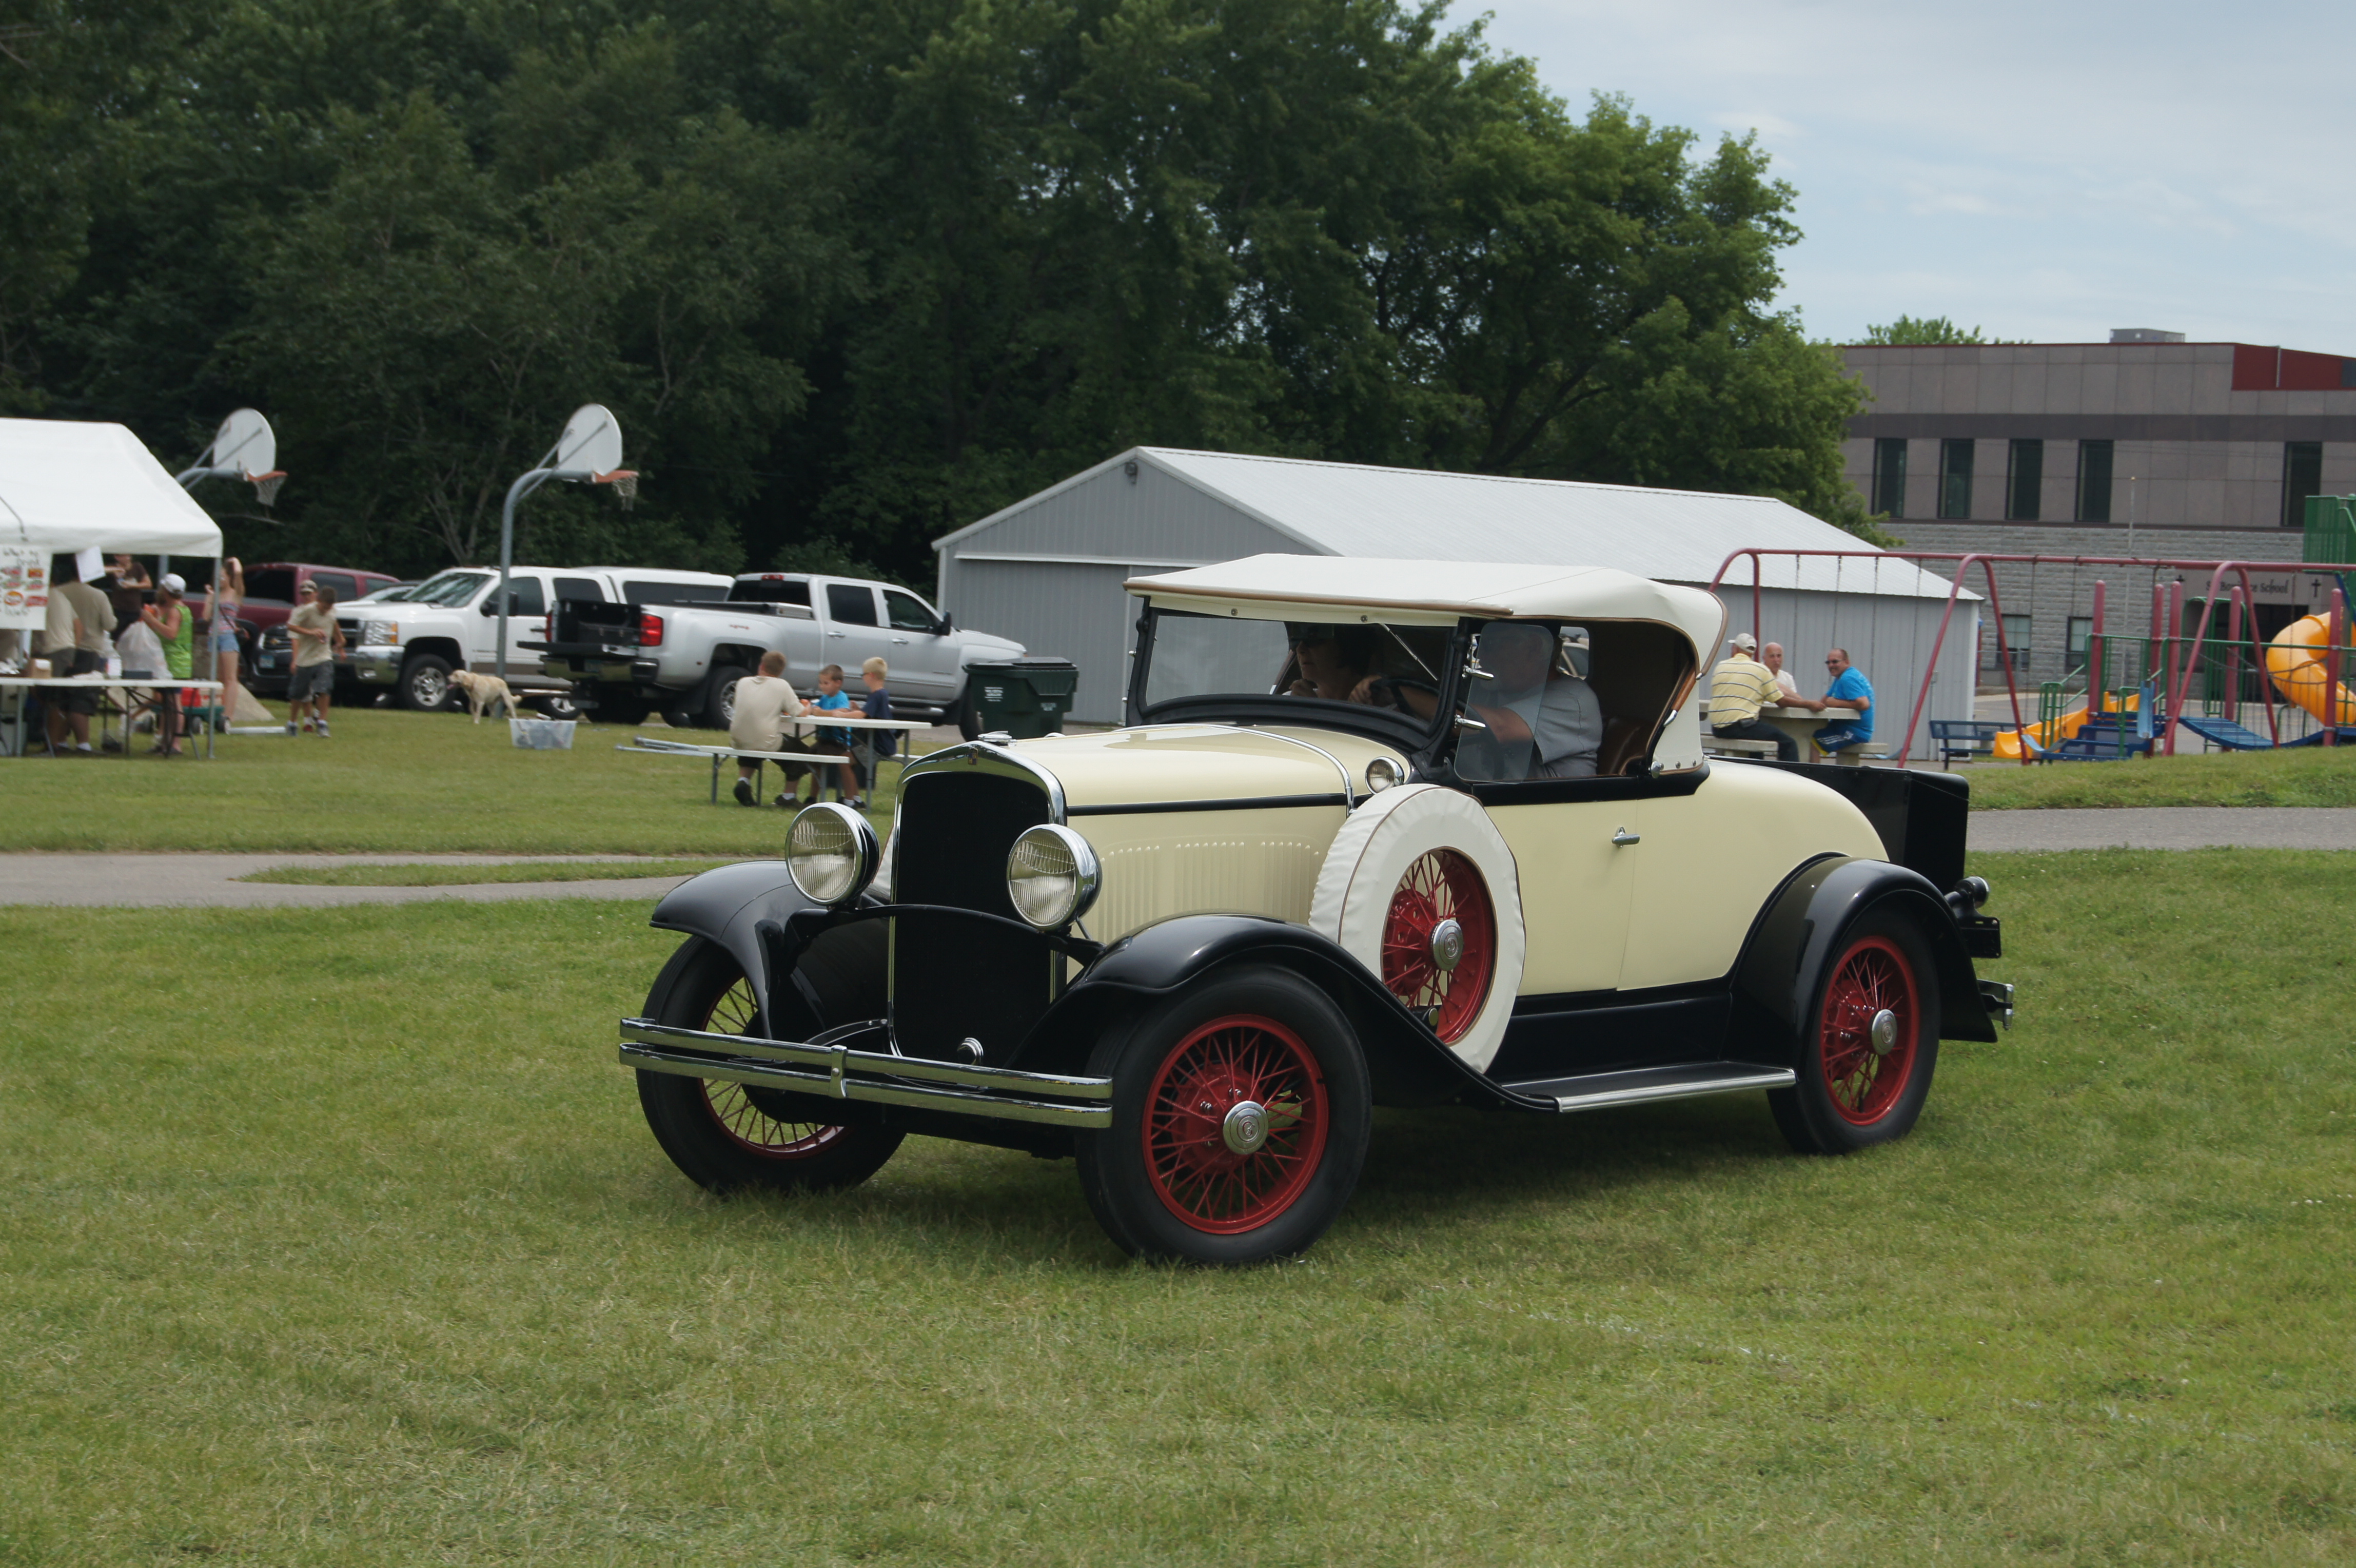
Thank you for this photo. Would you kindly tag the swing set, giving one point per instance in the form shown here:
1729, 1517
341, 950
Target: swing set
2139, 691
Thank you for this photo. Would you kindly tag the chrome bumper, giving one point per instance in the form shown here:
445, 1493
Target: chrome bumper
839, 1072
376, 663
1997, 995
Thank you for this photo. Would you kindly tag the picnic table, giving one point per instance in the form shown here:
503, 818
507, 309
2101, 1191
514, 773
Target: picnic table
12, 714
659, 745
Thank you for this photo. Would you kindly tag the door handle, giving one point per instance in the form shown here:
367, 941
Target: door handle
899, 642
1624, 838
834, 634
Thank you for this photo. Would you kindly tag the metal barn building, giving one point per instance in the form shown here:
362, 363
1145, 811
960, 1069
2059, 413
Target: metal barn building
1048, 570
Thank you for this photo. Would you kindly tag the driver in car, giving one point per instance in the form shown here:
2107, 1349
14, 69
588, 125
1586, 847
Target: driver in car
1544, 719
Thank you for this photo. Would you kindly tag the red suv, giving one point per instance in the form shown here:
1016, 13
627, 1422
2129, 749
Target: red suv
270, 591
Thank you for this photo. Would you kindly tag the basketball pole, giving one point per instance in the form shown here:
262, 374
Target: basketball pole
523, 487
556, 463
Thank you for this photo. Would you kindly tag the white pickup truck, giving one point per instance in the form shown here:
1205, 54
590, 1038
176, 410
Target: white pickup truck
450, 621
628, 659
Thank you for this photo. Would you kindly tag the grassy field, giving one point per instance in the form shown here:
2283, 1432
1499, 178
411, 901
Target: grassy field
2308, 776
381, 1266
399, 781
475, 875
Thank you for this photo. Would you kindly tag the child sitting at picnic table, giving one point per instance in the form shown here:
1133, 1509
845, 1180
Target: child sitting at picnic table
881, 743
832, 699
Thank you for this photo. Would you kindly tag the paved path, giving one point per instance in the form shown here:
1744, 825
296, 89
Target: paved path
131, 880
136, 880
2166, 827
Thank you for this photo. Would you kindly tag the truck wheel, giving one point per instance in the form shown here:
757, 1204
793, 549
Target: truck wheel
961, 714
1870, 1045
1241, 1116
557, 705
425, 684
731, 1137
720, 697
623, 710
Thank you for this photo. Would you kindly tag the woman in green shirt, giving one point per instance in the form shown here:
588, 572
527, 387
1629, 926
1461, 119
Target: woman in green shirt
170, 620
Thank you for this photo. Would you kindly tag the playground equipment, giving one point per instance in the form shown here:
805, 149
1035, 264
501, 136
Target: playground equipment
2147, 688
2295, 662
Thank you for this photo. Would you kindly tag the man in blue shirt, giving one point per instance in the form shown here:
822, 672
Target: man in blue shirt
1850, 689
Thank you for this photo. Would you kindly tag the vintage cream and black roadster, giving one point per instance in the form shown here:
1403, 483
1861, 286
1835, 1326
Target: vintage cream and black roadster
1376, 833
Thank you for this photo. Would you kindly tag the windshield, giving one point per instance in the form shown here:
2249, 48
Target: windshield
1332, 665
451, 589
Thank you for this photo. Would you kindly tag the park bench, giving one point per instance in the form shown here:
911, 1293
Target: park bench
1967, 739
656, 746
1730, 745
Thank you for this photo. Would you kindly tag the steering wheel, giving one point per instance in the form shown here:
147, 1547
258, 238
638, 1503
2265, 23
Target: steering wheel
1389, 687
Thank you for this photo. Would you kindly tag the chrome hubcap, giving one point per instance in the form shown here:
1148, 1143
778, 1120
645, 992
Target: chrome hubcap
1244, 1128
1883, 1032
1447, 945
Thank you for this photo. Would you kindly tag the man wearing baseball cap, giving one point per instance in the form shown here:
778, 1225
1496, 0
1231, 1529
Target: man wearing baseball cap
1739, 688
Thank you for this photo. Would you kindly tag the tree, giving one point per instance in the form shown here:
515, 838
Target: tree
1929, 329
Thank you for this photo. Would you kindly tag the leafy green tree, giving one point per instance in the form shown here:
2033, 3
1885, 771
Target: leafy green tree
1929, 330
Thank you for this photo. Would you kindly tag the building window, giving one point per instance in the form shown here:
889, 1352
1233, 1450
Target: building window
1954, 478
1889, 477
2024, 480
2094, 481
2082, 632
2302, 477
2016, 644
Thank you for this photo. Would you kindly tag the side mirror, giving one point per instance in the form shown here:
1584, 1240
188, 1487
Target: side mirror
946, 627
490, 604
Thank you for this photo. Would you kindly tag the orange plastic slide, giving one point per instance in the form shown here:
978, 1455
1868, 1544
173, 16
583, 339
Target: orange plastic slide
2007, 745
2295, 663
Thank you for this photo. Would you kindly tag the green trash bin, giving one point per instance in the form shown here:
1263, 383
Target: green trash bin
1023, 697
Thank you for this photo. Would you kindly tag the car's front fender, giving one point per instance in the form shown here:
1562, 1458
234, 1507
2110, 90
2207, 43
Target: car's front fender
736, 907
1407, 1062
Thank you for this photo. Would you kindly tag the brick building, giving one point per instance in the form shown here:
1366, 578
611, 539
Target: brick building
2146, 445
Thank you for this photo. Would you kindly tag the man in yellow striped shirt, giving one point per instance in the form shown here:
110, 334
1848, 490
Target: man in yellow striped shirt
1739, 688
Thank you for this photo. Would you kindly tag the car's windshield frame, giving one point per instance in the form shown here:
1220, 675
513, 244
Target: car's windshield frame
1402, 729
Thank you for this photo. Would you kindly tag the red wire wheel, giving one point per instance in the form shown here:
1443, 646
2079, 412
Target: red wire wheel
1190, 1159
738, 1112
1441, 885
1864, 1077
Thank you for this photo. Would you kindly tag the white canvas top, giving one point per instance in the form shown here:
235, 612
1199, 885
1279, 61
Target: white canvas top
67, 484
1302, 587
1358, 510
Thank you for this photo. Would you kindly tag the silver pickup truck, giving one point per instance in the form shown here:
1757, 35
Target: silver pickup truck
627, 660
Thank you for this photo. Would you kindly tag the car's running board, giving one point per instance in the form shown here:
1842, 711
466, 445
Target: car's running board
1596, 1091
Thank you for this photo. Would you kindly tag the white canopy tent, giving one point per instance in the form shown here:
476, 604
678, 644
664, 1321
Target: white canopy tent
67, 486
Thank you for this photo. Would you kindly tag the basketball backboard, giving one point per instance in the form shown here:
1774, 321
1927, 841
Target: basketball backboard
591, 447
244, 445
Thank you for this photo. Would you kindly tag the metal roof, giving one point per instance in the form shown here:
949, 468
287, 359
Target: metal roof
1358, 509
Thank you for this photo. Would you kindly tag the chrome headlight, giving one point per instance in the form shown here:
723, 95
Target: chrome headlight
1051, 875
831, 853
379, 632
1381, 773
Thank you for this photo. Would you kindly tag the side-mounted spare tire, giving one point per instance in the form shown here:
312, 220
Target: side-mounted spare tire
1422, 888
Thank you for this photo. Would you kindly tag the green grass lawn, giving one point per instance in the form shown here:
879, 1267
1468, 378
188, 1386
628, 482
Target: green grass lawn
429, 875
371, 1261
399, 781
2308, 776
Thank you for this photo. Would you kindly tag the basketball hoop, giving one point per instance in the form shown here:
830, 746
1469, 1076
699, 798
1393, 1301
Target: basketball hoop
265, 486
625, 483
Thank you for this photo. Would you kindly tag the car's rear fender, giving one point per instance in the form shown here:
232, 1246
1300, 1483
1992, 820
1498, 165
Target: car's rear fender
1407, 1063
1775, 981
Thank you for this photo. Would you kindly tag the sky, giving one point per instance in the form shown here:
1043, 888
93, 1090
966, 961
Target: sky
2045, 172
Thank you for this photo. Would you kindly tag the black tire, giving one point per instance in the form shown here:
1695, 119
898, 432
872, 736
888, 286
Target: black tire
622, 709
425, 684
1164, 1182
961, 714
729, 1137
1846, 1099
720, 696
556, 704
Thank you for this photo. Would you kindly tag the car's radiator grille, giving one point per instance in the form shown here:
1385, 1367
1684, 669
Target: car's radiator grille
953, 979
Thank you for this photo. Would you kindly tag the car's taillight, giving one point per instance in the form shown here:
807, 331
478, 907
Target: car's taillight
650, 632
